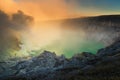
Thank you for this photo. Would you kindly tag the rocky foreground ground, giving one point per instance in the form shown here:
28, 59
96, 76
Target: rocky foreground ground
105, 65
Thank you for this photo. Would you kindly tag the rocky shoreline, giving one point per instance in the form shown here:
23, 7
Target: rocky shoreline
105, 65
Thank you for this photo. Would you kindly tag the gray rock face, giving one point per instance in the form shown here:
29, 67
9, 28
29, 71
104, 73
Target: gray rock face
48, 66
111, 50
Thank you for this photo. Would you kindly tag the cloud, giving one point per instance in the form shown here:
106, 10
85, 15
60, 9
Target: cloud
9, 31
41, 9
20, 20
45, 9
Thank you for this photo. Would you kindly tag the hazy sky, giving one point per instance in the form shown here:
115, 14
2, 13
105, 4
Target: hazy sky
59, 9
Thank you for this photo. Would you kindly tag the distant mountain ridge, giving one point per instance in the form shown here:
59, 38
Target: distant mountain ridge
113, 18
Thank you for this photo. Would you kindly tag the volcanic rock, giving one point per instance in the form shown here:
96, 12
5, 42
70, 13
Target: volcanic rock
83, 66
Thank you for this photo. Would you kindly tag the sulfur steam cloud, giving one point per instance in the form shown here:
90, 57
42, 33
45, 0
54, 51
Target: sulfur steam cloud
10, 28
